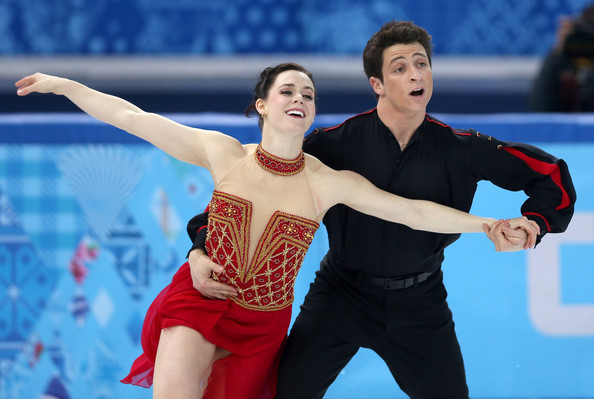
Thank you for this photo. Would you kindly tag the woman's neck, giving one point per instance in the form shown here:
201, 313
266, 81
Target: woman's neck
282, 147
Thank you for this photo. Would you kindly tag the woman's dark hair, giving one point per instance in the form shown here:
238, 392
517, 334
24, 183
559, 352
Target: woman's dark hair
390, 34
267, 78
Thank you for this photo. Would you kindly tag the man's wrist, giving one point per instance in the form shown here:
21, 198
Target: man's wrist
196, 252
199, 241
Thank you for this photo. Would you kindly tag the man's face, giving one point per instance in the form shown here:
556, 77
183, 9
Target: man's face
408, 80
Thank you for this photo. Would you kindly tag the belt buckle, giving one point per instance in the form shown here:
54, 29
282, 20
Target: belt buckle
394, 283
401, 282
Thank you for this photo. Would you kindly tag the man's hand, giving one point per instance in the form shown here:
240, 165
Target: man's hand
517, 225
512, 235
202, 268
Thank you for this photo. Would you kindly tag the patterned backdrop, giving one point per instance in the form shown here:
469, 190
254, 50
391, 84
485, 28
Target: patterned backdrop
72, 248
272, 26
92, 227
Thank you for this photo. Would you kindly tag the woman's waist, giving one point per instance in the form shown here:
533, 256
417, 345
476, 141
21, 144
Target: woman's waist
265, 291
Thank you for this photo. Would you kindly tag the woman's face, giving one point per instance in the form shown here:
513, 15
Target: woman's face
290, 104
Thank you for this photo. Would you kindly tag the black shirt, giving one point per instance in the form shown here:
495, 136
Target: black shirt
439, 164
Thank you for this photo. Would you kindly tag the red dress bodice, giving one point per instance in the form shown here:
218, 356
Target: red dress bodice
266, 282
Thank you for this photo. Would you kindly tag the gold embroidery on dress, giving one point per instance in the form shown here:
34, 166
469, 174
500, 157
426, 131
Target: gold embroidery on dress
267, 283
277, 165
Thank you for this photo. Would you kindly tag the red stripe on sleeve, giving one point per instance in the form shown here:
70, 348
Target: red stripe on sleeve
545, 169
540, 216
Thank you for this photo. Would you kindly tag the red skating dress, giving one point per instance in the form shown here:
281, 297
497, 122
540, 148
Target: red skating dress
252, 326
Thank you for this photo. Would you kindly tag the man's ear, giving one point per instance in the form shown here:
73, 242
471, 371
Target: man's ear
376, 85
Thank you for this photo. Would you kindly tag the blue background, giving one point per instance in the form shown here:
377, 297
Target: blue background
232, 27
68, 182
508, 38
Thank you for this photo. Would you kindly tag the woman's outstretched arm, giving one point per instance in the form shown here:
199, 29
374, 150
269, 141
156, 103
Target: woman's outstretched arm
182, 142
355, 191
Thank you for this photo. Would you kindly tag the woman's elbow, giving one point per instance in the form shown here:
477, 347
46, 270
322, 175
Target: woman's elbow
132, 120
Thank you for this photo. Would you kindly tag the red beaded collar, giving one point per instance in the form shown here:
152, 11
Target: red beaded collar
279, 166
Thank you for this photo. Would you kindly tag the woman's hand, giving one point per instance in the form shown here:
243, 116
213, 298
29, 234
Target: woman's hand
40, 83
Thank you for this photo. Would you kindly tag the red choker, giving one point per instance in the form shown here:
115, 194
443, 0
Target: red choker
279, 166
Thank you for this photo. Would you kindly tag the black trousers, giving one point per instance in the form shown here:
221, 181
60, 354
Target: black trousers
410, 329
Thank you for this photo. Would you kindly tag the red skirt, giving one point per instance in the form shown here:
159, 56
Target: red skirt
254, 338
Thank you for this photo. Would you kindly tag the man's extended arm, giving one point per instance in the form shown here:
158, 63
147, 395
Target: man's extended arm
544, 178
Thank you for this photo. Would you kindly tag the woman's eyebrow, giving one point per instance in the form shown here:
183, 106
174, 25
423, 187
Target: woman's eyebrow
293, 85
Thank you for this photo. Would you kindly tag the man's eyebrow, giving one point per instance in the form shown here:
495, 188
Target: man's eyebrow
401, 57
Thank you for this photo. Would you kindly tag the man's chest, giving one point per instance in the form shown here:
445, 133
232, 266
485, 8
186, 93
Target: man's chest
420, 171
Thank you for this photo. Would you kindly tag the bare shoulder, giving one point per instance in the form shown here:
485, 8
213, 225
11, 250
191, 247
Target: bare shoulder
342, 175
249, 148
314, 165
222, 152
236, 148
329, 186
226, 146
318, 173
319, 170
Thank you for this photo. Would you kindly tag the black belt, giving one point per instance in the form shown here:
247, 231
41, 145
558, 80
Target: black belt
396, 283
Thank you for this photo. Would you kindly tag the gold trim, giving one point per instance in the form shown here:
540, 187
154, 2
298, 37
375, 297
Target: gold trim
267, 283
279, 166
